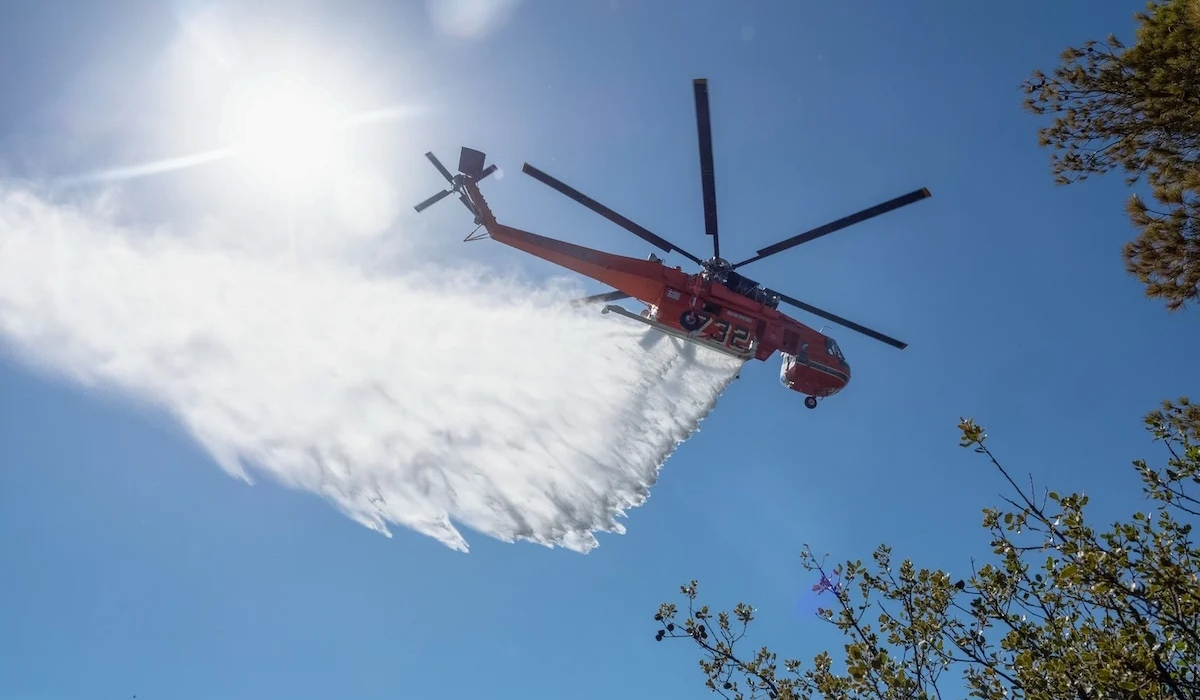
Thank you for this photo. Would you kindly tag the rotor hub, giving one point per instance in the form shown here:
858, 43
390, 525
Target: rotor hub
716, 269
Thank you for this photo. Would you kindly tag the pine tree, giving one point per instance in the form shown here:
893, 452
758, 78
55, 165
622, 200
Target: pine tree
1137, 109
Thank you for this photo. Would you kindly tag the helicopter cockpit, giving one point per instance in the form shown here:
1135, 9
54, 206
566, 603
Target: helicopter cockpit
832, 348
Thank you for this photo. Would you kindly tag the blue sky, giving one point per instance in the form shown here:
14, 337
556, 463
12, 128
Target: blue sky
133, 565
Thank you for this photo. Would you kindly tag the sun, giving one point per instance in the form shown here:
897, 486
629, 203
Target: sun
285, 133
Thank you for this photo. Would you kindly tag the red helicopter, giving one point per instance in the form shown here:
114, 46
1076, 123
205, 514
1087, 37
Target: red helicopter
717, 307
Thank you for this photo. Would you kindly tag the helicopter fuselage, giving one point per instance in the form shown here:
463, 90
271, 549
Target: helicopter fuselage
740, 319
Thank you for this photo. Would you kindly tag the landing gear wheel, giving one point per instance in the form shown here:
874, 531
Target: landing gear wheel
690, 321
810, 401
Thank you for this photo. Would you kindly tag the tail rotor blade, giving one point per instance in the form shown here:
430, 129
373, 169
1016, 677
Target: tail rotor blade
432, 200
441, 168
467, 203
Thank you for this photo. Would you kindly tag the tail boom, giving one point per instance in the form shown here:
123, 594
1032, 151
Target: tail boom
645, 280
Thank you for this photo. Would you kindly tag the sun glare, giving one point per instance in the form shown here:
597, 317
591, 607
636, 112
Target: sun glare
287, 134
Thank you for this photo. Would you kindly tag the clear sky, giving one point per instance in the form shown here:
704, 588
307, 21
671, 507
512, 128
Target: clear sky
131, 564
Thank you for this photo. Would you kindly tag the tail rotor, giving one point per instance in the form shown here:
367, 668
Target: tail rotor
470, 166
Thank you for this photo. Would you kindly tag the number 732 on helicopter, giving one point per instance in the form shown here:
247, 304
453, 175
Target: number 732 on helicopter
717, 307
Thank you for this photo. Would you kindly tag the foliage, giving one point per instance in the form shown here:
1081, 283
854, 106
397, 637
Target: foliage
1064, 612
1166, 255
1137, 109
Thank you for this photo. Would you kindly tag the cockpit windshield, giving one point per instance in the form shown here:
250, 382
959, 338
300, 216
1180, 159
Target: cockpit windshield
832, 348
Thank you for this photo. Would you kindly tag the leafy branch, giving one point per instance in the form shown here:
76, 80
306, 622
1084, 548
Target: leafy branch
1060, 611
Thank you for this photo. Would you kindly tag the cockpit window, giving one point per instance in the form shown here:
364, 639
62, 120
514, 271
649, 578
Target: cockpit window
832, 347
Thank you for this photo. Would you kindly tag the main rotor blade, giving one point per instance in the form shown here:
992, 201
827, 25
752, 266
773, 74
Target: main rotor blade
441, 168
607, 296
843, 322
707, 181
607, 213
432, 200
868, 213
